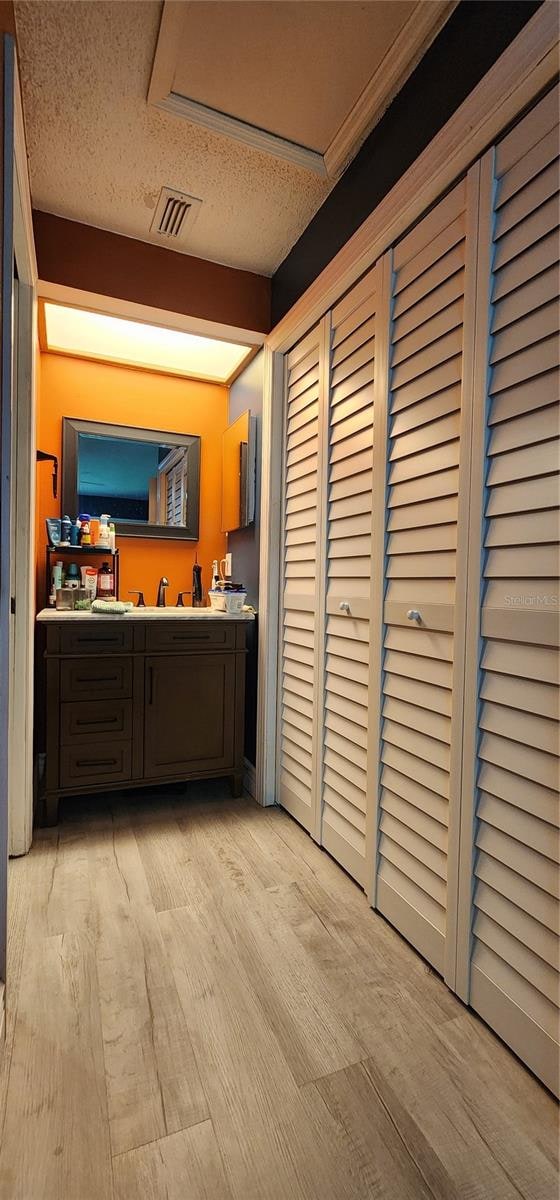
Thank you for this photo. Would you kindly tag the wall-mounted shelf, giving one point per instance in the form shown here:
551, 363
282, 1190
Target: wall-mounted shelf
75, 552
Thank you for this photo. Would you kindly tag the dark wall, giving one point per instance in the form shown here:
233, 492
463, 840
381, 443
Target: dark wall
96, 260
468, 45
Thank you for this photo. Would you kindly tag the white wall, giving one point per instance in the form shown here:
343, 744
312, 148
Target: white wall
247, 393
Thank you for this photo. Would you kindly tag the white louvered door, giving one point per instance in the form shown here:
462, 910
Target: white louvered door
419, 636
348, 777
509, 951
422, 662
302, 542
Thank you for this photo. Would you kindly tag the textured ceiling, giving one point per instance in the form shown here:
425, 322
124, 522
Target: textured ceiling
100, 154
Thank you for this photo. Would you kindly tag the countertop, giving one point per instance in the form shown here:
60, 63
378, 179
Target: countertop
53, 615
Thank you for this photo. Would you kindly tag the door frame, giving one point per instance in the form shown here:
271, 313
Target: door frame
526, 68
20, 814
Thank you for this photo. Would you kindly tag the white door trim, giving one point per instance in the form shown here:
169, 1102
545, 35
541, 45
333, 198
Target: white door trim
526, 68
20, 818
269, 575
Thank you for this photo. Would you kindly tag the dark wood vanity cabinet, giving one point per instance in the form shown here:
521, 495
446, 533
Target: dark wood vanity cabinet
142, 703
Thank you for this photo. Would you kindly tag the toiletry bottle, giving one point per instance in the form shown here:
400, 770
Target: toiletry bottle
85, 533
65, 529
53, 530
197, 585
104, 538
94, 531
75, 533
112, 536
72, 575
105, 582
89, 580
57, 574
56, 582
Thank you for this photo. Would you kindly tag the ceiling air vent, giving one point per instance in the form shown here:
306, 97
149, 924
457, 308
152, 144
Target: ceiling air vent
175, 214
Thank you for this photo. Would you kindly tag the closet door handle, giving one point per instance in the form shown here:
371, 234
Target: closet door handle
414, 615
344, 606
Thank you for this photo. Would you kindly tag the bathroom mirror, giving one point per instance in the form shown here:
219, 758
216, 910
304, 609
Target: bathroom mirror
238, 473
146, 479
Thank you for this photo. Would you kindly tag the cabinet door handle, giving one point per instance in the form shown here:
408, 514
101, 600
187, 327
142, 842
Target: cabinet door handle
150, 685
101, 721
96, 762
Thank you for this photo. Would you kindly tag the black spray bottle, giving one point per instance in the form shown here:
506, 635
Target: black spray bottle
197, 584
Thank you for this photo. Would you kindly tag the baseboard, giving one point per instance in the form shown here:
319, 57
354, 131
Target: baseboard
250, 779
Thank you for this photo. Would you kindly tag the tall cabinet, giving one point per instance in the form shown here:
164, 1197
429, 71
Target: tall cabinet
419, 613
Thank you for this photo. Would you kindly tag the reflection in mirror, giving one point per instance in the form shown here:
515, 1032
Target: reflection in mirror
238, 473
148, 481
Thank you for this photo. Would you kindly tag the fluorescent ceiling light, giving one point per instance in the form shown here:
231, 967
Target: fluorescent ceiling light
113, 339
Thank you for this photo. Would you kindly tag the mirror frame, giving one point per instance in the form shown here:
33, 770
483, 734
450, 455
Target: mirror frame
72, 427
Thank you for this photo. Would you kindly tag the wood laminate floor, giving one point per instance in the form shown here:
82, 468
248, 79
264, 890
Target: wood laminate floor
202, 1006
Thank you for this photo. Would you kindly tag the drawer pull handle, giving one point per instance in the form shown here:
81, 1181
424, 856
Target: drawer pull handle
191, 637
99, 641
101, 721
96, 762
97, 679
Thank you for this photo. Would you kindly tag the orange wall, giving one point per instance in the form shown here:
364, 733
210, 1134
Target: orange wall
73, 387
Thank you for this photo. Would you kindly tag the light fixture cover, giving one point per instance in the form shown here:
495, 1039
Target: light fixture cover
86, 334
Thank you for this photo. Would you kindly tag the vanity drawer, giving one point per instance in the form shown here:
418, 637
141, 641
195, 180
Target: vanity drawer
98, 762
84, 721
87, 639
189, 634
96, 679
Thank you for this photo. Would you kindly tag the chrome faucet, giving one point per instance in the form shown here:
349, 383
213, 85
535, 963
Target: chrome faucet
163, 584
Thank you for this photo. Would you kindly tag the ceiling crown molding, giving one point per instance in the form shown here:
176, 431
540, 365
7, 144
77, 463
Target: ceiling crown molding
421, 28
403, 56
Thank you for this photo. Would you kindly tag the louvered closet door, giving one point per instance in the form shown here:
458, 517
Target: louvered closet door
419, 690
299, 639
514, 972
346, 773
